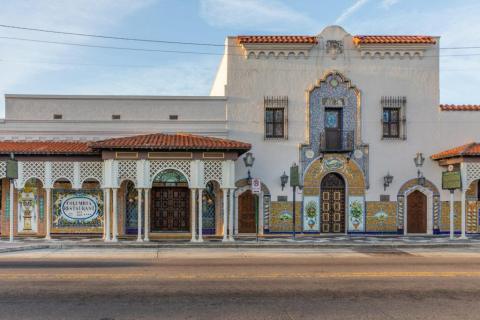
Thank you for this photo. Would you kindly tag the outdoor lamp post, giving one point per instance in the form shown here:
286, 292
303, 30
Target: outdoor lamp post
387, 180
249, 159
419, 160
283, 179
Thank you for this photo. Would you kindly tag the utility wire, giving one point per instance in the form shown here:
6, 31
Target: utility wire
166, 41
188, 52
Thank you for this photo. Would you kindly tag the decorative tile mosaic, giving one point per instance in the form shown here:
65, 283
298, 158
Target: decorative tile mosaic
381, 216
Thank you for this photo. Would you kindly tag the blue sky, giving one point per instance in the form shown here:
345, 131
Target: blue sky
56, 69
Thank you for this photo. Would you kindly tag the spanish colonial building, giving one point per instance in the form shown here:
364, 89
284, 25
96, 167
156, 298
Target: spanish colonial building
360, 116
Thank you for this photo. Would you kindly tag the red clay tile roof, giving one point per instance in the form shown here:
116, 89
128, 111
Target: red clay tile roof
377, 39
44, 147
277, 39
179, 141
460, 107
468, 150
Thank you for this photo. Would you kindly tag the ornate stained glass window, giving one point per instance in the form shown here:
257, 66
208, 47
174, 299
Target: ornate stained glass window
208, 210
170, 178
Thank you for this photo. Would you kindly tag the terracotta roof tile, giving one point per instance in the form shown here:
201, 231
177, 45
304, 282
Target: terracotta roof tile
179, 141
392, 39
468, 150
460, 107
44, 147
277, 39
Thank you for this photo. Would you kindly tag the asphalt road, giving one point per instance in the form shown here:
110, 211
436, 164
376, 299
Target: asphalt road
239, 284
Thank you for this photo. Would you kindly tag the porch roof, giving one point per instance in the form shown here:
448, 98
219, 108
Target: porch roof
157, 141
45, 147
467, 150
177, 141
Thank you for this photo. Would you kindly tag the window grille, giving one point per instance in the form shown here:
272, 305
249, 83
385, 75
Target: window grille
394, 117
275, 117
57, 117
115, 117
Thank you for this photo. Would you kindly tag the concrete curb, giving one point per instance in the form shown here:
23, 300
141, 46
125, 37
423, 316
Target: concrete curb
238, 245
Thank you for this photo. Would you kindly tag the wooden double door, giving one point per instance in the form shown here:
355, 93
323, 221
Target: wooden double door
333, 204
416, 212
170, 209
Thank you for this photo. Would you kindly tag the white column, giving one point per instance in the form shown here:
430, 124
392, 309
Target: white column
11, 211
115, 215
139, 216
193, 216
200, 215
48, 213
230, 220
225, 215
464, 215
452, 225
107, 215
147, 214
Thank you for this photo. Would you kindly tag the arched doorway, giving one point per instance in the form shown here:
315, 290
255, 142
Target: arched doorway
416, 212
246, 212
209, 199
170, 204
333, 203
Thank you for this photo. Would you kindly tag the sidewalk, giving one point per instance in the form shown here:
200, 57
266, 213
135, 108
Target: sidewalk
249, 242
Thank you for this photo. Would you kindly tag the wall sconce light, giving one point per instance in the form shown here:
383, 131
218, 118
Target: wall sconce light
387, 180
283, 179
249, 159
419, 160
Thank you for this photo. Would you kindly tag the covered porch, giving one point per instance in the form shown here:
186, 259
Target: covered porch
141, 187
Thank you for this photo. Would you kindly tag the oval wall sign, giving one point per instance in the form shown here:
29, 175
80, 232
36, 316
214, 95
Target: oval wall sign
333, 164
79, 207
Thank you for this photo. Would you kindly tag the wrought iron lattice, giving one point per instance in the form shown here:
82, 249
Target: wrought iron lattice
127, 170
91, 170
32, 169
131, 208
157, 166
472, 173
63, 170
212, 170
3, 169
208, 209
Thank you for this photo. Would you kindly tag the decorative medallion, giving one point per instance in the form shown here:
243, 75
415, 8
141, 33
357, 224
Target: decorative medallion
309, 154
358, 154
334, 82
333, 164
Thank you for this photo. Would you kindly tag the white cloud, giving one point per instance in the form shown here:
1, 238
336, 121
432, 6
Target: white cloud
350, 10
388, 3
75, 15
271, 15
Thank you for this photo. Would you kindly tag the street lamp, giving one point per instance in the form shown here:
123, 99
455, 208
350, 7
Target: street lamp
283, 179
249, 160
387, 180
419, 160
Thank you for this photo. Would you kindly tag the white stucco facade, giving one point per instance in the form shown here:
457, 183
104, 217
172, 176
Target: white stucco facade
250, 72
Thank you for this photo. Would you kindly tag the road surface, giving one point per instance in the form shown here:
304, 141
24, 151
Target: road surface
240, 284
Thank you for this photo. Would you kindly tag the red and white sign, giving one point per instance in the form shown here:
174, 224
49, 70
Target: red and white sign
256, 185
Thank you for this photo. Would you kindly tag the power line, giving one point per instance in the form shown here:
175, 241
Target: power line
91, 35
188, 52
113, 37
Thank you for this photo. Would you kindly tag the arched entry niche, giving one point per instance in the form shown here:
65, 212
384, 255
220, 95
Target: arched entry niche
245, 211
211, 212
170, 202
354, 202
423, 202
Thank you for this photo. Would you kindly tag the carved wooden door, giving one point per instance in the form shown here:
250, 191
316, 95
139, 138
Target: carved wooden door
333, 204
246, 213
170, 209
416, 212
